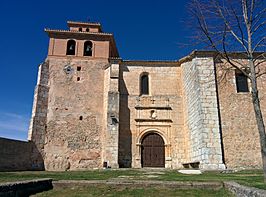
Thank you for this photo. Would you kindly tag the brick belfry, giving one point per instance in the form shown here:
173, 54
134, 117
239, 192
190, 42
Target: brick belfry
92, 109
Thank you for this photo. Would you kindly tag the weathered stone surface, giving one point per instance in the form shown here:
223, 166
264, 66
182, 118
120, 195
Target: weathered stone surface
74, 121
88, 111
201, 114
15, 155
136, 120
25, 188
244, 191
140, 183
239, 128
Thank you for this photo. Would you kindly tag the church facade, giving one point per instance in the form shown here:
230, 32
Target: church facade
93, 109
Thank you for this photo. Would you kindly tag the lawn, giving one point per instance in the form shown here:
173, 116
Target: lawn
253, 178
68, 175
249, 177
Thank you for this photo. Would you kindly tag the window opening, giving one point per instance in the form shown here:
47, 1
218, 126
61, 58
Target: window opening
241, 82
71, 47
144, 84
88, 48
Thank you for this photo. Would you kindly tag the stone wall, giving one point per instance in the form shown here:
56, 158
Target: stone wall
243, 191
25, 188
37, 129
15, 155
201, 117
165, 99
192, 113
75, 116
110, 144
239, 128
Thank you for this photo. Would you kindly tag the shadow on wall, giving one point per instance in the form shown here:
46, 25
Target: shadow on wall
125, 136
36, 158
17, 155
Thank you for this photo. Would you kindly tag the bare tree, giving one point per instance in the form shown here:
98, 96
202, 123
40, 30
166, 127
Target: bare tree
230, 26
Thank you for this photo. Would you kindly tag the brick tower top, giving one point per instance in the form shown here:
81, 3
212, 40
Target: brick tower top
84, 26
82, 40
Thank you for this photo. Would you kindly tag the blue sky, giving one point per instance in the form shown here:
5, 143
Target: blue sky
143, 29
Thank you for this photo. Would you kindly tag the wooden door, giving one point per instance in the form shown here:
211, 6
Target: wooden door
152, 152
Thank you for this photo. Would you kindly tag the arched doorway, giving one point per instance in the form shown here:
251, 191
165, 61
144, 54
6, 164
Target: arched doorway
152, 151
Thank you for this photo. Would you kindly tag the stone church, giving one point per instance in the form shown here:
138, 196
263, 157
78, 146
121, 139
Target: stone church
92, 109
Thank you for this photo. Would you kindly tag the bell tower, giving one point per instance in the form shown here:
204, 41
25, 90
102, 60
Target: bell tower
76, 99
82, 40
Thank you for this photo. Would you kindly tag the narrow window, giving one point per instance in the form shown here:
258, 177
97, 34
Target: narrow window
71, 47
80, 29
87, 29
78, 68
87, 48
144, 84
80, 118
78, 78
241, 82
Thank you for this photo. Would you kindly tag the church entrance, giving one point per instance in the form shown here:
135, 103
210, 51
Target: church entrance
152, 151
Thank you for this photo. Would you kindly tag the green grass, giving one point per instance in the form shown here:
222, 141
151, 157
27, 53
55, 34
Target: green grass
70, 175
253, 178
250, 178
128, 192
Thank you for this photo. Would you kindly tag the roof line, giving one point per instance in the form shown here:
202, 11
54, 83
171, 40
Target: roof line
208, 53
169, 61
77, 32
84, 23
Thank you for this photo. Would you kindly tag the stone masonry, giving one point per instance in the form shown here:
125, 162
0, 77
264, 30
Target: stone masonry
93, 109
202, 112
38, 123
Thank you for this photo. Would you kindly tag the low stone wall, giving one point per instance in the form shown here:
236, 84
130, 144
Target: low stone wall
25, 188
139, 183
15, 155
244, 191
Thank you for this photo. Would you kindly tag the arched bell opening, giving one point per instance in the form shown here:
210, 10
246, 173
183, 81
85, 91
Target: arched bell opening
87, 48
71, 47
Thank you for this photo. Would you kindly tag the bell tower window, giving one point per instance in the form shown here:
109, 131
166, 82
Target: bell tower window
144, 84
87, 48
71, 47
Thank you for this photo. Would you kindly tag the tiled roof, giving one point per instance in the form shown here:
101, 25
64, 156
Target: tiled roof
77, 32
84, 23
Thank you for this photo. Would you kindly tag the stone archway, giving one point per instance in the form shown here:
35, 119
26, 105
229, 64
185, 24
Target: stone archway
152, 151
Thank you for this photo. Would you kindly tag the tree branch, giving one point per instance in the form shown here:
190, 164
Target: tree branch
258, 44
230, 29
